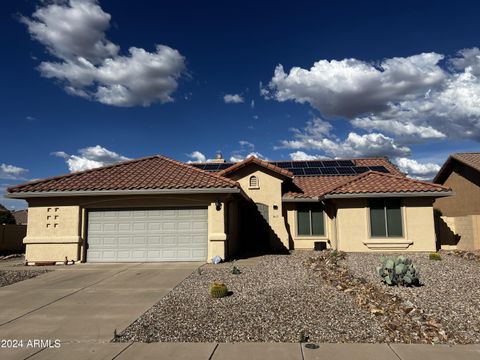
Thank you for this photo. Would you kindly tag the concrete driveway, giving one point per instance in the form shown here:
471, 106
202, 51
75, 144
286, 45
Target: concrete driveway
85, 302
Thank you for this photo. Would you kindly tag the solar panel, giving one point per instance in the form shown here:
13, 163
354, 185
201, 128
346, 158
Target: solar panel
330, 163
313, 171
347, 170
297, 171
329, 171
345, 163
211, 167
314, 163
283, 164
382, 169
299, 164
361, 169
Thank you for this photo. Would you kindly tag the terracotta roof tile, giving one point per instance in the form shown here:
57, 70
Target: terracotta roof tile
470, 159
254, 160
155, 172
376, 182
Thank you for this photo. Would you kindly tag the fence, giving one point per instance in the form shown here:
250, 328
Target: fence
460, 232
11, 238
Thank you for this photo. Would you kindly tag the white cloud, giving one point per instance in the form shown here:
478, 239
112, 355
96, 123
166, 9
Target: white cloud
415, 99
10, 204
416, 169
12, 172
300, 155
238, 157
316, 135
197, 157
90, 65
90, 158
246, 150
252, 104
233, 99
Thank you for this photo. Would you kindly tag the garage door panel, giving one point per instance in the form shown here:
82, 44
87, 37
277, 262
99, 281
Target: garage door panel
147, 235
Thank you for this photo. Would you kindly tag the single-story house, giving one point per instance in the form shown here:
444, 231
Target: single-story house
159, 209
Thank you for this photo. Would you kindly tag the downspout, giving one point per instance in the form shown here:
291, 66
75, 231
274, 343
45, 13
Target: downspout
335, 229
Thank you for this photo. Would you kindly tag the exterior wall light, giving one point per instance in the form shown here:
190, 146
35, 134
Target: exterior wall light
218, 205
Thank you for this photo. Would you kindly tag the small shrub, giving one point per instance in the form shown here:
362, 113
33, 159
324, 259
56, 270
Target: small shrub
434, 256
236, 271
398, 271
302, 337
218, 290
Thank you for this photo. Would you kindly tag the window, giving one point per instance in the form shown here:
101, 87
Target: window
385, 218
253, 182
310, 221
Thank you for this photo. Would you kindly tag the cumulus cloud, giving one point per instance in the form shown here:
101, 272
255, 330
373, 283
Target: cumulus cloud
90, 65
413, 168
316, 135
90, 158
12, 172
197, 157
414, 99
300, 155
246, 150
239, 157
233, 99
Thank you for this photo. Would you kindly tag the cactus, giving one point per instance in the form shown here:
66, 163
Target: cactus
236, 271
434, 256
218, 290
398, 271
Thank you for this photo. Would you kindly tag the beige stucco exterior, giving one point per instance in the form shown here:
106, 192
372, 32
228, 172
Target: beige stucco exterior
353, 227
57, 226
466, 200
267, 192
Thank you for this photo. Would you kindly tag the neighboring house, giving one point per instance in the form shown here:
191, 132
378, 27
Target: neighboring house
459, 225
21, 217
159, 209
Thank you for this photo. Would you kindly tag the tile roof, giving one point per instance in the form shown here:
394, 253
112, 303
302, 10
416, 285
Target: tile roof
254, 160
308, 187
155, 172
377, 182
471, 159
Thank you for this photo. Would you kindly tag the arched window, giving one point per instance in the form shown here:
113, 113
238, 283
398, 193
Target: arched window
253, 182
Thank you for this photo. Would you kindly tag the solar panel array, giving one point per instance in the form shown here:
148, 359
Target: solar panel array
308, 168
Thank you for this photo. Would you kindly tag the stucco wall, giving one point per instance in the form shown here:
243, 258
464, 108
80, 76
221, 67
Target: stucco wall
269, 192
466, 200
57, 226
353, 227
460, 232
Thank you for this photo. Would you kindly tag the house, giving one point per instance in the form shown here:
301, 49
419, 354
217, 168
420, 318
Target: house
159, 209
21, 217
459, 224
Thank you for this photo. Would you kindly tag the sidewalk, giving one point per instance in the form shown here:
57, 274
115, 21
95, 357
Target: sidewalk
245, 351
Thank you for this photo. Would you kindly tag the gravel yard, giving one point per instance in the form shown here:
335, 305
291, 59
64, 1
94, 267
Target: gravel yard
8, 277
273, 300
280, 296
450, 291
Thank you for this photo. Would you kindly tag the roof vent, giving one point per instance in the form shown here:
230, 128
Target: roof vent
219, 158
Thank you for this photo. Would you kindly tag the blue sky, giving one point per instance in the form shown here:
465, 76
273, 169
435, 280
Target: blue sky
88, 82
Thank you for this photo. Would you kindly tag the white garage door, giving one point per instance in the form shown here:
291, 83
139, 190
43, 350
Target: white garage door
178, 234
